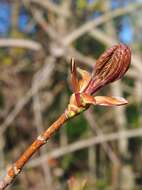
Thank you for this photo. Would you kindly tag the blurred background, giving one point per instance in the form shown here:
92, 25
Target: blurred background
100, 149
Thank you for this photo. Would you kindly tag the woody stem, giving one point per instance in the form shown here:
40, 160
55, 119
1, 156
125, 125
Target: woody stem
15, 168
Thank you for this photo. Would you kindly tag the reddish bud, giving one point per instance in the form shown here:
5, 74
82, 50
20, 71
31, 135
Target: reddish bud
109, 67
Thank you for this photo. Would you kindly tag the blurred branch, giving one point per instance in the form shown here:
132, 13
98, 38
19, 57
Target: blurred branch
39, 18
67, 51
49, 5
20, 43
85, 144
40, 128
97, 33
90, 118
42, 76
88, 26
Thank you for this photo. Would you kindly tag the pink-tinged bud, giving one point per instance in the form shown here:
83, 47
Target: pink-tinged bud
109, 67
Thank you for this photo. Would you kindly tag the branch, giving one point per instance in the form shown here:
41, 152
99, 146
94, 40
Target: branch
39, 127
85, 144
88, 26
59, 48
20, 43
108, 150
51, 7
15, 168
42, 76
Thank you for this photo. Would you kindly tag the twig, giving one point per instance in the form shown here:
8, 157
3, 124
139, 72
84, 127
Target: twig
15, 168
20, 43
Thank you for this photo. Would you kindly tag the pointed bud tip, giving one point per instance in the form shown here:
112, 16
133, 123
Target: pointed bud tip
73, 65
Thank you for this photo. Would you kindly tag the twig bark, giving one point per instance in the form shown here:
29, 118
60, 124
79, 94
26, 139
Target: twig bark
15, 168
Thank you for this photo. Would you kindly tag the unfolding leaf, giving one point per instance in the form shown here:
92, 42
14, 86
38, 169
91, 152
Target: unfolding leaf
110, 101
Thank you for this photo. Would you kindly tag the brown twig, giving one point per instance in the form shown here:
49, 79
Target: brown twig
15, 168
